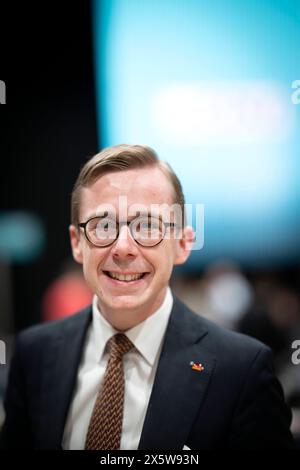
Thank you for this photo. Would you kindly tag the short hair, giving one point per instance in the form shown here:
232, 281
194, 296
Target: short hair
121, 158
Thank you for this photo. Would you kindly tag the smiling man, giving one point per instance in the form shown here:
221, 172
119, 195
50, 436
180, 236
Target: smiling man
126, 302
137, 369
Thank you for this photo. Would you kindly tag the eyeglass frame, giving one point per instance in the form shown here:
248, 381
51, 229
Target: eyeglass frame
127, 222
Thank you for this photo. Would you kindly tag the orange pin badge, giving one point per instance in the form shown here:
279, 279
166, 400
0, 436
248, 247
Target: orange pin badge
197, 366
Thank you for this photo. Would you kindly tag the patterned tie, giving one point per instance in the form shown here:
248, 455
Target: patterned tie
104, 432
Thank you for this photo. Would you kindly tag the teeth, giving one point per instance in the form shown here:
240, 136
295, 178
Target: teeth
127, 277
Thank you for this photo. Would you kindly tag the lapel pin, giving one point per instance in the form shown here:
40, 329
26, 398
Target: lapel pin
196, 366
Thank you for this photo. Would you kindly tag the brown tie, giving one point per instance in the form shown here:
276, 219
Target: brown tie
104, 432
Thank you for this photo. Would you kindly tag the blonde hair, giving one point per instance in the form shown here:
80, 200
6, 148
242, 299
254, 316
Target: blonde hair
121, 158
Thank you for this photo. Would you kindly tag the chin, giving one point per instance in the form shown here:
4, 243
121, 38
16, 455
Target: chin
125, 302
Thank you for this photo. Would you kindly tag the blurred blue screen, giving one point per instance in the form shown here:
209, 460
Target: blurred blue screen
208, 85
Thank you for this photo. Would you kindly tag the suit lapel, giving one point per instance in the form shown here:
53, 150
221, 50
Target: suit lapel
61, 365
178, 390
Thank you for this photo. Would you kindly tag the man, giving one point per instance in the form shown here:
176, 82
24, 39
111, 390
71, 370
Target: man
138, 369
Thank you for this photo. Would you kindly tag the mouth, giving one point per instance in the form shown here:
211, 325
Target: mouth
128, 279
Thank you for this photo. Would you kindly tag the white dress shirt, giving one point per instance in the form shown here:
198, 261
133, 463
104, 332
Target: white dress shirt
140, 366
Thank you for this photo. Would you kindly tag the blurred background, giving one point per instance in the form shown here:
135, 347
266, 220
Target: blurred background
207, 84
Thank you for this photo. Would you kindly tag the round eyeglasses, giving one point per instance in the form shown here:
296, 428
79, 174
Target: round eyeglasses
145, 230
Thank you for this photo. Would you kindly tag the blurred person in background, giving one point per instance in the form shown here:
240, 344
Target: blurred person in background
67, 294
274, 315
223, 293
274, 318
138, 369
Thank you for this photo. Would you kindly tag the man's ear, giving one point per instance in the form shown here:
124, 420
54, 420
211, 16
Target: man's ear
184, 245
75, 244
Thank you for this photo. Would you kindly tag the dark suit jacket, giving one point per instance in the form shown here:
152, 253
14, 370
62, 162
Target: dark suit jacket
235, 402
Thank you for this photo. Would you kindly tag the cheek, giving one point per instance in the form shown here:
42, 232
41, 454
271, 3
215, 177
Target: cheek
91, 259
165, 261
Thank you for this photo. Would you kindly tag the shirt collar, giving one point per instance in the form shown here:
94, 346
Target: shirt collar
147, 336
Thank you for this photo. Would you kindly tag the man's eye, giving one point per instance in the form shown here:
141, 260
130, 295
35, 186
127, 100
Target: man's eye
145, 225
148, 225
105, 225
99, 228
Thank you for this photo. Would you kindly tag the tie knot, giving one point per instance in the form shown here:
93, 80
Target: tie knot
118, 345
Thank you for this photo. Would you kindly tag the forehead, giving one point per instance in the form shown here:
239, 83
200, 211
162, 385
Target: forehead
143, 186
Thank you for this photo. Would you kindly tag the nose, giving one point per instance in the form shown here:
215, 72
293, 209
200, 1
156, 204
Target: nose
124, 246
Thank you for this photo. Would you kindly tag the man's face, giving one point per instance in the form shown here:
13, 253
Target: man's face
127, 303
